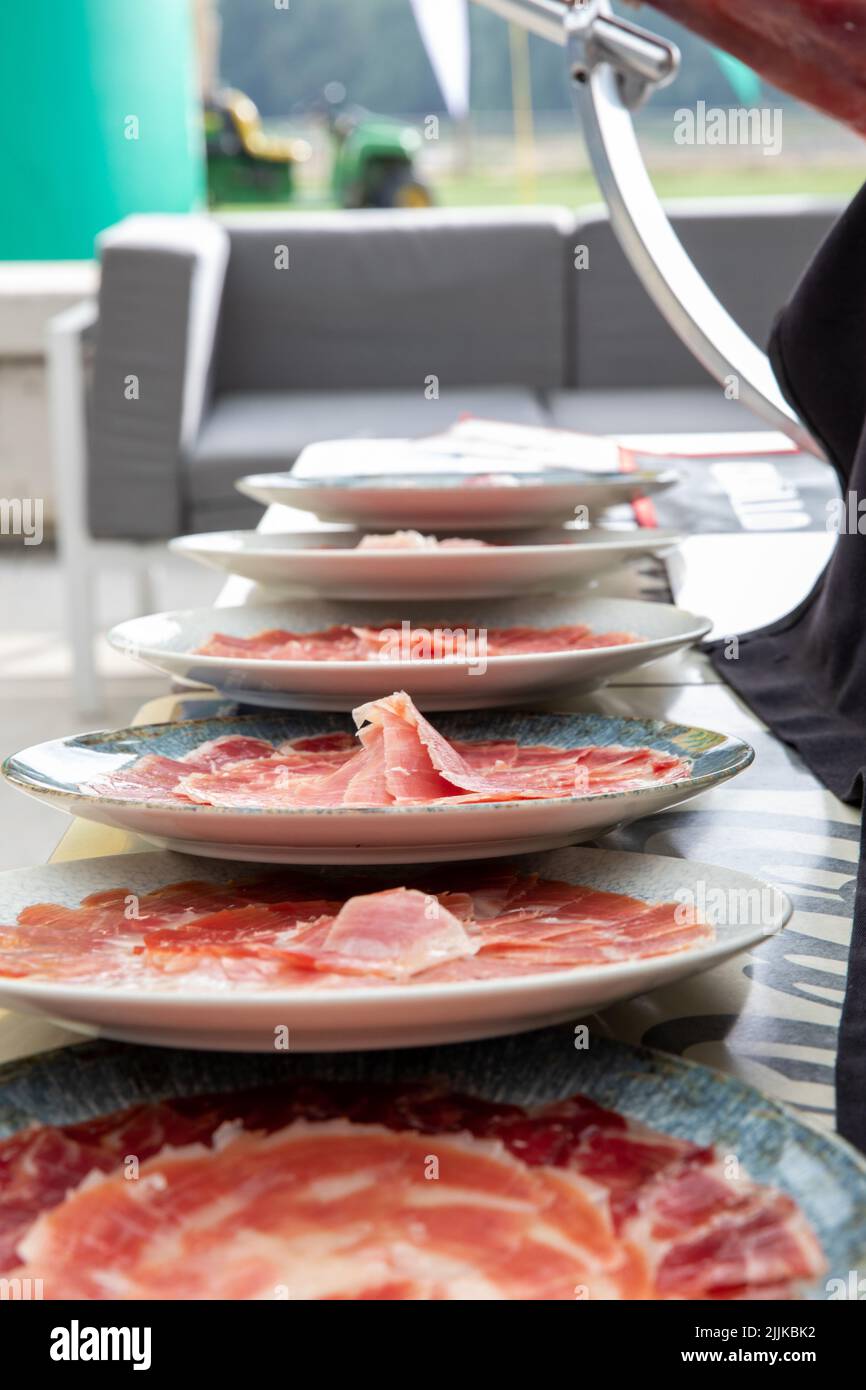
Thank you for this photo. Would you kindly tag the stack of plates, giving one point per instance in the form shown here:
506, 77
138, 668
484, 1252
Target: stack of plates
529, 572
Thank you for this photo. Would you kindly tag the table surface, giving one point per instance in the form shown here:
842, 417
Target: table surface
769, 1016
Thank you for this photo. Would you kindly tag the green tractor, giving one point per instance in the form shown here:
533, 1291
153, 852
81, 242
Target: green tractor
244, 165
373, 157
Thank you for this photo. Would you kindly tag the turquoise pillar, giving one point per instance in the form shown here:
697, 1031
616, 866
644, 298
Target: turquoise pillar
101, 118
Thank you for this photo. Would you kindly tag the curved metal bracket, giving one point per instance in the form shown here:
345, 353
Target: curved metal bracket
614, 65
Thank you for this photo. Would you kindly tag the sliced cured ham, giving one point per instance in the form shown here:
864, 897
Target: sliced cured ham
231, 748
321, 745
402, 642
151, 778
491, 480
338, 643
285, 934
410, 773
399, 933
432, 761
320, 1190
414, 540
399, 758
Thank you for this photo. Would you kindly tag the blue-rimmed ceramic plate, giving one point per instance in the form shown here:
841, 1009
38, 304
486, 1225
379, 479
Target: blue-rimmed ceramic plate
823, 1175
58, 772
459, 503
743, 912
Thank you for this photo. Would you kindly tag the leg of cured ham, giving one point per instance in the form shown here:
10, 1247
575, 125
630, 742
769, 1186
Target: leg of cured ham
813, 48
329, 1191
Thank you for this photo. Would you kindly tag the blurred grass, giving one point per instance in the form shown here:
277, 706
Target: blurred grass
485, 188
571, 189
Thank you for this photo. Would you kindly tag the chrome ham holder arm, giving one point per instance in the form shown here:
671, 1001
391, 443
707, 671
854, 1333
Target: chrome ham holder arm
614, 66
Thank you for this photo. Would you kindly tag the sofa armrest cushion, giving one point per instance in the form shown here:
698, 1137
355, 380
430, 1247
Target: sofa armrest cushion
158, 309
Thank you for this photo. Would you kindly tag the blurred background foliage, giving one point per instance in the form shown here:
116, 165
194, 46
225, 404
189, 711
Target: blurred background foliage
284, 58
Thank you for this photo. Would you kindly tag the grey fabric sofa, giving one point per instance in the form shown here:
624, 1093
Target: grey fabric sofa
380, 325
250, 337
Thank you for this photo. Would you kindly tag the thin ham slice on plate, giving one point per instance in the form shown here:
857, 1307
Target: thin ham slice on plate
402, 642
484, 925
398, 759
339, 1191
415, 541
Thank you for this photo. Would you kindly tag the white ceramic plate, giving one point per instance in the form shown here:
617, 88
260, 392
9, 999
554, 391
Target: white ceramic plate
57, 771
446, 502
330, 564
371, 1017
168, 641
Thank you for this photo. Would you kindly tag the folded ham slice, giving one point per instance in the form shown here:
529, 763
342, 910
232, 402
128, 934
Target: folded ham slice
423, 765
399, 933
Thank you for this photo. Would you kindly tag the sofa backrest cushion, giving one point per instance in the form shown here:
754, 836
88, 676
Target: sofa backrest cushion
751, 252
366, 299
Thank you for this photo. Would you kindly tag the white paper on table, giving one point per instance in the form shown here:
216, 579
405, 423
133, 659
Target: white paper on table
532, 446
472, 446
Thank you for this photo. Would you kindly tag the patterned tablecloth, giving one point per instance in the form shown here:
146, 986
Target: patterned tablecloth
770, 1016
